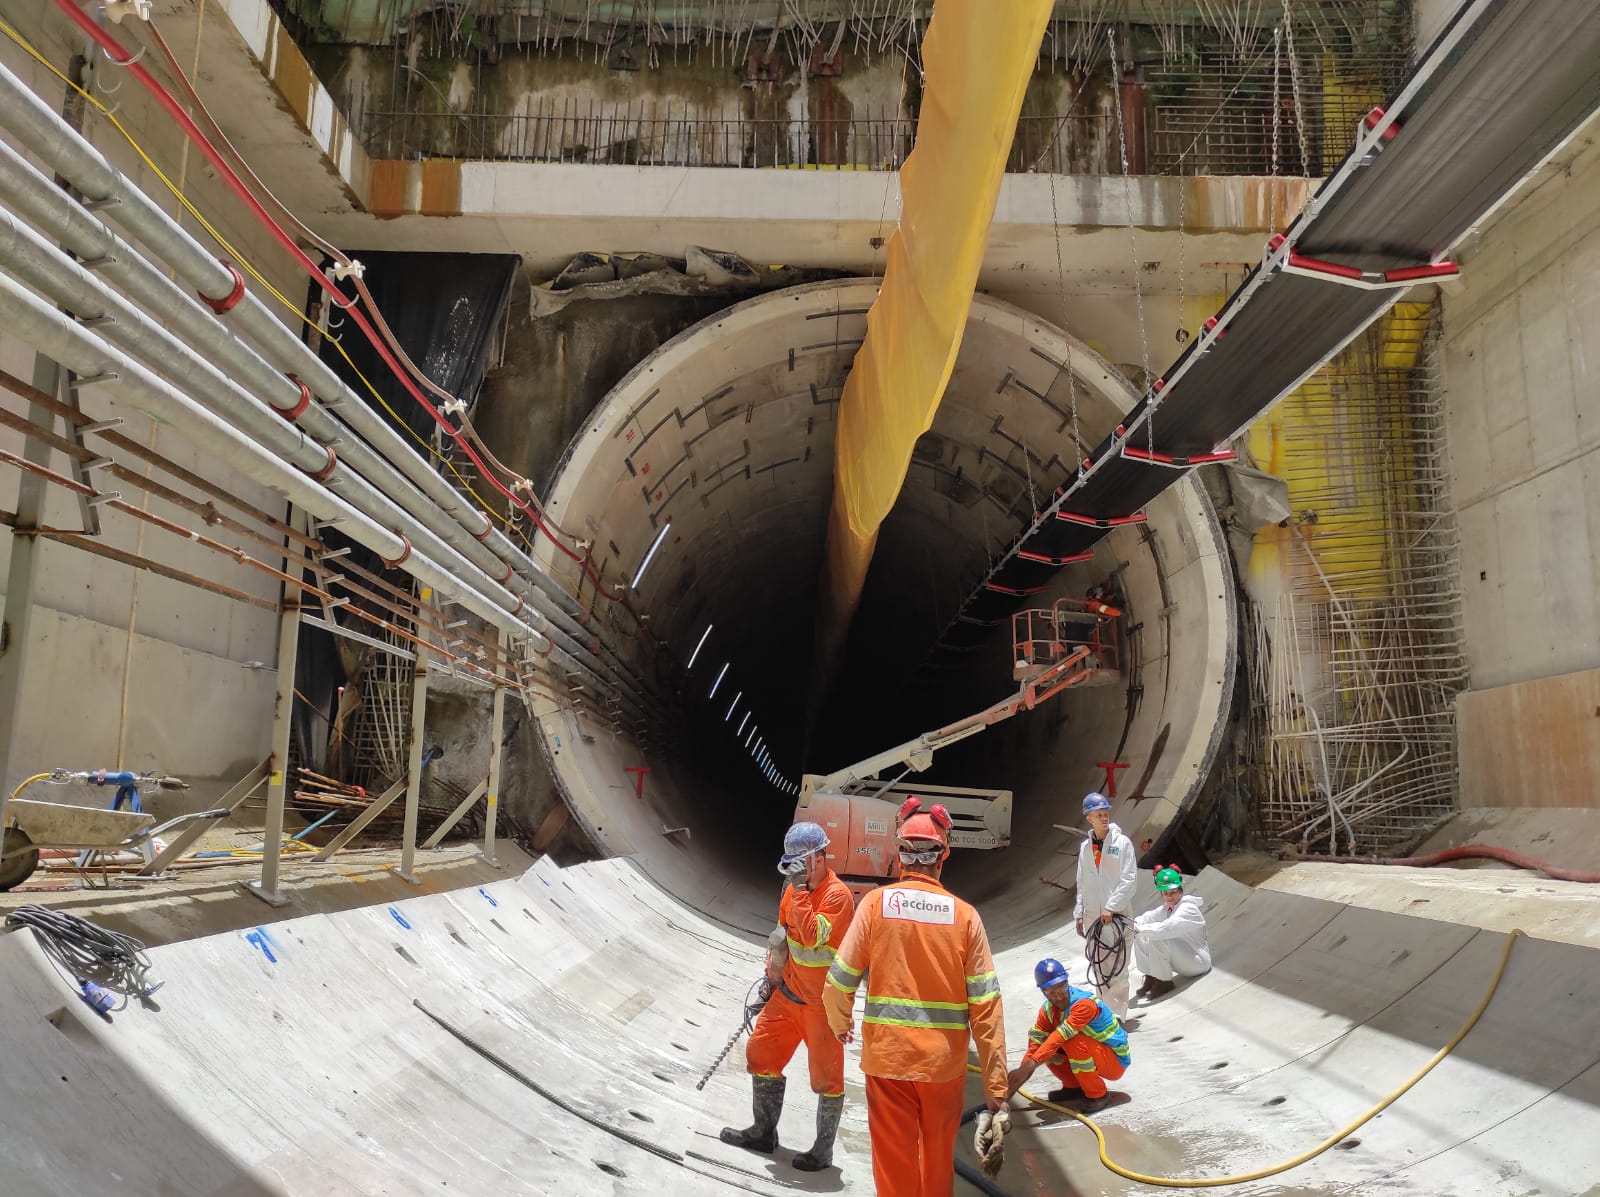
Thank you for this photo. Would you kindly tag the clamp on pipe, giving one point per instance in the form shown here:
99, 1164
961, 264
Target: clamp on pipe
322, 474
229, 301
294, 413
405, 553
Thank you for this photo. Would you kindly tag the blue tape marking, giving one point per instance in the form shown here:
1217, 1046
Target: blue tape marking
262, 940
488, 895
399, 918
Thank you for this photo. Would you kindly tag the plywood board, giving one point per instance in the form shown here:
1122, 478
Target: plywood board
1533, 743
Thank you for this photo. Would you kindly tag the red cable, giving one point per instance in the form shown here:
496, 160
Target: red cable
162, 96
1470, 852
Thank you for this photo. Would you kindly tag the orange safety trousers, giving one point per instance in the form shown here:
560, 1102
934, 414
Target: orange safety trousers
781, 1028
1088, 1064
913, 1125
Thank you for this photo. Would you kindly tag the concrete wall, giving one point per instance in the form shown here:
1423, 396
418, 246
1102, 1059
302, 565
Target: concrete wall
127, 668
1522, 368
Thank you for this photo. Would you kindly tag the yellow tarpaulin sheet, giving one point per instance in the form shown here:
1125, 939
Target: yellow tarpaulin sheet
978, 56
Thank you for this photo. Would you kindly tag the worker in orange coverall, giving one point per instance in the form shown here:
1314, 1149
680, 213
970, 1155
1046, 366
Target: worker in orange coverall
813, 916
931, 987
1076, 1037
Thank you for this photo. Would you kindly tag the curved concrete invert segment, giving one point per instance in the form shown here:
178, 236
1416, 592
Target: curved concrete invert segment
724, 439
292, 1060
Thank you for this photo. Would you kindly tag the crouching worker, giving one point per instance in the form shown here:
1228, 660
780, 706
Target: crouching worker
1170, 941
1076, 1037
813, 916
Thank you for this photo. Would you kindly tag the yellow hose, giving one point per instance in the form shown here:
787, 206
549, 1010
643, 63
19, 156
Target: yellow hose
29, 782
1208, 1182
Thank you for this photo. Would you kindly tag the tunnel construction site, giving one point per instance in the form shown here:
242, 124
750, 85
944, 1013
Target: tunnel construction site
476, 475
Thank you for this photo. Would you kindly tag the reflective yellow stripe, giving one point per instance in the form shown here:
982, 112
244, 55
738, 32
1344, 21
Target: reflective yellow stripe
1037, 1036
842, 977
983, 988
905, 1012
824, 930
810, 957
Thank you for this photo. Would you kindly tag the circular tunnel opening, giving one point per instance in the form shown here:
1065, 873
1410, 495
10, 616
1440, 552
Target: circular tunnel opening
705, 480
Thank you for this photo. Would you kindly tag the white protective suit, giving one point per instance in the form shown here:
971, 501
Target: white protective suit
1170, 944
1107, 886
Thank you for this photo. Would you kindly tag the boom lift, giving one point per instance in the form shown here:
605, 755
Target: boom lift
1073, 643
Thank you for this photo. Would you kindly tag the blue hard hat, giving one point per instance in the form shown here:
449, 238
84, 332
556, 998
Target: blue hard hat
1049, 973
1095, 801
801, 840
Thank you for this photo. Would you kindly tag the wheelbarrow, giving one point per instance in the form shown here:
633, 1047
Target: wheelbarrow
33, 826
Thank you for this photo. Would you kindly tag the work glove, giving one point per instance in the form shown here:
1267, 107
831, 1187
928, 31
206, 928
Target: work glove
989, 1141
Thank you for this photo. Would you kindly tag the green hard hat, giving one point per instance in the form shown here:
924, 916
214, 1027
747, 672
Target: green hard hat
1168, 878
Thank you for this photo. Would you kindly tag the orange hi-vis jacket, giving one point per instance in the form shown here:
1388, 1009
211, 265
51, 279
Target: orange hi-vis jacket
931, 981
814, 924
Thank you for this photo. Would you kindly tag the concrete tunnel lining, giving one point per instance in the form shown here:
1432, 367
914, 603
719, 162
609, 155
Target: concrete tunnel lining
290, 1059
727, 431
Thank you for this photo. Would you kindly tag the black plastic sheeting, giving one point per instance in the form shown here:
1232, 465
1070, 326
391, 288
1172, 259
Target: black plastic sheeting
443, 310
1522, 79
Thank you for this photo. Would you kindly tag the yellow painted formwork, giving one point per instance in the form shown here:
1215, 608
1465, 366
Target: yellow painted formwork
1332, 473
977, 65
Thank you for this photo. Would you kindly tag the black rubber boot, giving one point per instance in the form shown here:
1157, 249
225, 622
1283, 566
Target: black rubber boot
766, 1100
821, 1154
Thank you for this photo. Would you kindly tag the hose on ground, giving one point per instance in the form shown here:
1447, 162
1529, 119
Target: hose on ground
1468, 852
1208, 1182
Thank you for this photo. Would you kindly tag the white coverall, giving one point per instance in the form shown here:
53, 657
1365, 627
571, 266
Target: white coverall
1170, 944
1102, 887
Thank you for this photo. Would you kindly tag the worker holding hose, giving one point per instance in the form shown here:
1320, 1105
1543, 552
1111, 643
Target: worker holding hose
1170, 941
813, 916
1106, 873
931, 990
1077, 1038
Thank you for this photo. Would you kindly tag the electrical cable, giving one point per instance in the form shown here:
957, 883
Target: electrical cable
1208, 1182
115, 52
1468, 852
1106, 949
96, 958
285, 216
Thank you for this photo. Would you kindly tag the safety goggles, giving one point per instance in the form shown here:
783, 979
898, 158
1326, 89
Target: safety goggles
912, 854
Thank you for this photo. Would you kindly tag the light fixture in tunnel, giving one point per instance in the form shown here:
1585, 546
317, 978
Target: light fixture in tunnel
742, 722
650, 556
1176, 731
718, 682
694, 656
732, 706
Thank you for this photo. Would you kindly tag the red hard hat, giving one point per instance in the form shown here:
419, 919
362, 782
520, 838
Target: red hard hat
918, 824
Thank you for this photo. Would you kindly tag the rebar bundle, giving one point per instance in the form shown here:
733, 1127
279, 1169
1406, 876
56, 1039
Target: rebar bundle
1354, 667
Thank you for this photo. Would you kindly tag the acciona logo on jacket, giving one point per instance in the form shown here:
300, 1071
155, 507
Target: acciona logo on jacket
918, 906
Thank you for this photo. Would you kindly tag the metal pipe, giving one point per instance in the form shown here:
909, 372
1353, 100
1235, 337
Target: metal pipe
57, 144
55, 335
51, 210
37, 262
